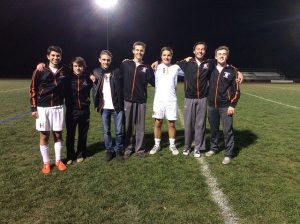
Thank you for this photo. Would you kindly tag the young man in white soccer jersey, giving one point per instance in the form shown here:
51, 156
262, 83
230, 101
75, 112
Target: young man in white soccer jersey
165, 100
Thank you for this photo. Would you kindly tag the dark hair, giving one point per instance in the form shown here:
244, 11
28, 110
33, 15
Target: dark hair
138, 43
54, 48
78, 60
200, 42
223, 47
166, 49
107, 52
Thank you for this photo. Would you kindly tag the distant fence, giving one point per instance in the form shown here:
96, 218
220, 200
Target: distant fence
262, 75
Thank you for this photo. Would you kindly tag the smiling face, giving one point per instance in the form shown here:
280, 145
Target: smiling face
138, 53
166, 57
54, 59
221, 56
199, 51
105, 61
77, 69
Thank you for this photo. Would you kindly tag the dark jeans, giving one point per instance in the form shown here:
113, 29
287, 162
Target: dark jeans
118, 121
82, 119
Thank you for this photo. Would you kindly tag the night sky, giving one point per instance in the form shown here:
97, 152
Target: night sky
259, 33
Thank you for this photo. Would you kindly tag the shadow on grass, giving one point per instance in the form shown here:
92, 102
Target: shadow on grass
242, 139
95, 148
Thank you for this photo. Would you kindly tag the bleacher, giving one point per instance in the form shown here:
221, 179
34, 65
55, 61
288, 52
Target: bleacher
263, 75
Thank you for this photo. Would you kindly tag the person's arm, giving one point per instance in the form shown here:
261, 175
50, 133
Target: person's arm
151, 77
34, 93
119, 87
234, 95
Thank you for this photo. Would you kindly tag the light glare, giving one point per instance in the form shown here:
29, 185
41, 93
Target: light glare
106, 4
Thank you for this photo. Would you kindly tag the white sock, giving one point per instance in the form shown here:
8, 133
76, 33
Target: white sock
157, 141
172, 141
45, 153
57, 148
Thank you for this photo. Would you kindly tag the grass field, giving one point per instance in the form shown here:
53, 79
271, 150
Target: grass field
262, 184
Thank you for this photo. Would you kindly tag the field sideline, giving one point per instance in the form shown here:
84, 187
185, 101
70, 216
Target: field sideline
261, 185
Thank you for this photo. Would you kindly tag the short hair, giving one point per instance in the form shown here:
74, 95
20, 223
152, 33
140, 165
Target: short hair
80, 61
106, 52
54, 48
200, 42
138, 43
223, 47
166, 49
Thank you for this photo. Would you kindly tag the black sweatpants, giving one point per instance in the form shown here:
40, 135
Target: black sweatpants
74, 118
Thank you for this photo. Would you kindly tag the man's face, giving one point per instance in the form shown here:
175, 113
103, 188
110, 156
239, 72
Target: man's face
138, 52
54, 58
199, 51
105, 61
221, 56
166, 57
77, 69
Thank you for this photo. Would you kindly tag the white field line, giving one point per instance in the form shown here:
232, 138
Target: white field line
12, 90
272, 101
216, 193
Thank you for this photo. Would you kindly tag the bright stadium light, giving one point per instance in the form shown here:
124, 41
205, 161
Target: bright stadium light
107, 4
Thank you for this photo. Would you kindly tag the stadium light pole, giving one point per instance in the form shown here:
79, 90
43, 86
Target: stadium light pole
107, 5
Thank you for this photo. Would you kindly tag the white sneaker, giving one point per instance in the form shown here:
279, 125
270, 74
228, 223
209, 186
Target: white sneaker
210, 153
154, 150
197, 154
226, 160
174, 150
186, 152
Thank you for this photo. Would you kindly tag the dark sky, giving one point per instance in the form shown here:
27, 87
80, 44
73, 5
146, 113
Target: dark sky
259, 33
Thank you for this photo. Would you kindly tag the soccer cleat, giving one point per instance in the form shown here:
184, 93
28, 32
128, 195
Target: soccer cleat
210, 153
174, 150
46, 168
79, 160
69, 162
154, 150
197, 154
226, 160
186, 152
60, 165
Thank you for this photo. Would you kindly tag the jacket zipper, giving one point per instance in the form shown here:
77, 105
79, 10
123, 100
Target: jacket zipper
133, 82
78, 92
217, 90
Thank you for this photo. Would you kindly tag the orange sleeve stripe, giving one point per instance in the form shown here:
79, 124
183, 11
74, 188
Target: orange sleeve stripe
236, 92
32, 90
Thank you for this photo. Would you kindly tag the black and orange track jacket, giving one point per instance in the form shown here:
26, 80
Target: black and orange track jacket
136, 79
224, 89
77, 91
196, 77
47, 89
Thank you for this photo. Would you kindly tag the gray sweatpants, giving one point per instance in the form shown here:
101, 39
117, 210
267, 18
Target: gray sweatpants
135, 114
214, 117
194, 123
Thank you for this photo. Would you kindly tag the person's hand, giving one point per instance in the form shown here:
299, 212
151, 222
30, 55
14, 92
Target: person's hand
188, 59
240, 77
230, 111
93, 78
35, 114
40, 67
154, 65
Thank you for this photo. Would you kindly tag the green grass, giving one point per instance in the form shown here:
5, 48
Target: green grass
262, 183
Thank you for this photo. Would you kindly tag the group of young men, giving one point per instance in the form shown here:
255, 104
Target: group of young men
122, 94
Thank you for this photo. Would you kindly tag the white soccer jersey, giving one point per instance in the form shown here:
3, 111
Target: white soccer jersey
166, 81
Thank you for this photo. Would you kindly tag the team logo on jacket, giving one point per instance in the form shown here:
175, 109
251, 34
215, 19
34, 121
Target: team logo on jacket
144, 69
205, 66
226, 74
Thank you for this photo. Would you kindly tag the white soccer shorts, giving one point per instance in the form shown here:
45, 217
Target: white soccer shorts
163, 109
50, 118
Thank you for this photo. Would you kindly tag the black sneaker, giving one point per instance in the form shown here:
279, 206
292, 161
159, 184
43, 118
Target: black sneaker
119, 155
109, 156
